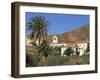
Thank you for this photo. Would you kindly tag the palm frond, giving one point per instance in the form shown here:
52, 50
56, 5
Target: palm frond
38, 26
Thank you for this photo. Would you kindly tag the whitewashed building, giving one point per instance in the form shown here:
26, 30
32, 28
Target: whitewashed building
81, 46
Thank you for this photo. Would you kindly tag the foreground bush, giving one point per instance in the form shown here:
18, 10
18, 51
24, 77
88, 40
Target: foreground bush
56, 60
33, 60
78, 60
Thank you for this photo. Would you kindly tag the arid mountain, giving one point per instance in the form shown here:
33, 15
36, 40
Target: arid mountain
80, 34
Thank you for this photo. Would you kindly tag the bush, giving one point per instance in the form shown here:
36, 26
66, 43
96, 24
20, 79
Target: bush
56, 60
77, 60
44, 48
56, 51
85, 58
69, 51
32, 60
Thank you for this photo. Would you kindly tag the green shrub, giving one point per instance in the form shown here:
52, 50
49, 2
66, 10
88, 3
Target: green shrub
56, 51
32, 60
77, 60
45, 48
85, 58
69, 51
56, 60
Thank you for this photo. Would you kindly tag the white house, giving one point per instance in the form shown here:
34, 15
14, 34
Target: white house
82, 47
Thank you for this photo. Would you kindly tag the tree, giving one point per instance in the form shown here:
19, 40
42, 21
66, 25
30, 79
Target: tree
69, 51
38, 28
45, 49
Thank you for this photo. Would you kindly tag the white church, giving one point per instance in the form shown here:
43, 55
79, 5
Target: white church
55, 42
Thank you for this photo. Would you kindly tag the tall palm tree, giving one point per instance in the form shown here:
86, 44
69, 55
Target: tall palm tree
38, 27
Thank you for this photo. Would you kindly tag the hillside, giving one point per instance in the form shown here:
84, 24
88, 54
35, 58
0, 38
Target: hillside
80, 34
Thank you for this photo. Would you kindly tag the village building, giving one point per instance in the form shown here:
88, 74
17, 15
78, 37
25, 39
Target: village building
80, 46
54, 42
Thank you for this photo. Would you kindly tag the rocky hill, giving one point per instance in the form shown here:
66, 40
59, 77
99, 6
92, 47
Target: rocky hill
80, 34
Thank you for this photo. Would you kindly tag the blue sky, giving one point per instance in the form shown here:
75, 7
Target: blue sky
60, 23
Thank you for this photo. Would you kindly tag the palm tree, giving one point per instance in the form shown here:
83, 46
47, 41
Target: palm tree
38, 27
